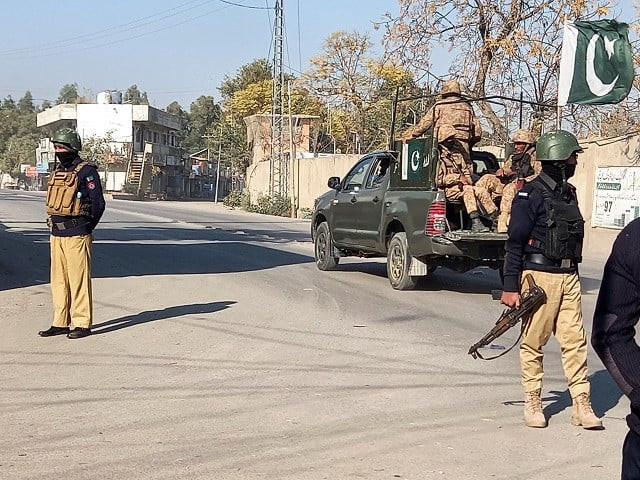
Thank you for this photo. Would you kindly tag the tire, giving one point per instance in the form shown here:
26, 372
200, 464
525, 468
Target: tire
323, 248
398, 262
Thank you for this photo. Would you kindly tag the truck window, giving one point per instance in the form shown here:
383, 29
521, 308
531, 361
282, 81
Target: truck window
378, 173
355, 178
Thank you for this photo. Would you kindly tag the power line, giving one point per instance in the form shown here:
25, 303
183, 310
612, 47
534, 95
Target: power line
246, 6
124, 27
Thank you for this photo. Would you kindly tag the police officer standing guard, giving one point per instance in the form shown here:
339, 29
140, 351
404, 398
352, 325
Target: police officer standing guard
74, 204
545, 240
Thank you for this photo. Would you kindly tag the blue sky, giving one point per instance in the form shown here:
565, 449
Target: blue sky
173, 50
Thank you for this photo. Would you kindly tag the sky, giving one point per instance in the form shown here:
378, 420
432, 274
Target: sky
173, 50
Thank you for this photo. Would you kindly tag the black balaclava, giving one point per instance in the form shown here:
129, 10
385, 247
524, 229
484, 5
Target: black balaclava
66, 158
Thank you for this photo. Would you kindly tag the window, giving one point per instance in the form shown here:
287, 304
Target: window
155, 137
355, 178
164, 138
379, 172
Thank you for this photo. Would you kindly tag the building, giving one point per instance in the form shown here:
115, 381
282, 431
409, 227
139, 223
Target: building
146, 158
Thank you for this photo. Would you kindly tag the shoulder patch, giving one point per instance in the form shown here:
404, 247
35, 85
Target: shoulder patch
522, 194
91, 185
89, 178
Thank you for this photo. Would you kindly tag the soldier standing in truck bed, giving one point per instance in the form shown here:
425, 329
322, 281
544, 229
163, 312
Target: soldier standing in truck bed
451, 110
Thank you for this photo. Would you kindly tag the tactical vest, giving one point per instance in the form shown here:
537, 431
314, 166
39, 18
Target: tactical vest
521, 164
565, 226
63, 194
459, 115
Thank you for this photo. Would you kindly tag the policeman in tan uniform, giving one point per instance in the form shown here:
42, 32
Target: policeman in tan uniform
75, 204
454, 177
545, 240
451, 110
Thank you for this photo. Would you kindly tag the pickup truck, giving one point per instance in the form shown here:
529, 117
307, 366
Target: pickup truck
388, 205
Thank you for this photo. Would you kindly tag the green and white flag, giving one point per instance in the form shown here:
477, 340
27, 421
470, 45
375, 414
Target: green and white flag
596, 65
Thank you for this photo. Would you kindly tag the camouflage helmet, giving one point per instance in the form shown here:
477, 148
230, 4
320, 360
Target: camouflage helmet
68, 137
556, 146
524, 136
450, 87
445, 132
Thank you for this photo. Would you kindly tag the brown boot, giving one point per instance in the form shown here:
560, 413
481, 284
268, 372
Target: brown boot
583, 415
533, 415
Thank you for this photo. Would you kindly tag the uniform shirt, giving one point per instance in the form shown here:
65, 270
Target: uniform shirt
451, 110
616, 315
536, 165
528, 219
90, 189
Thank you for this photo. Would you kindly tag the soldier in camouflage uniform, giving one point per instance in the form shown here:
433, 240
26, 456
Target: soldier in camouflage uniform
451, 110
520, 168
454, 177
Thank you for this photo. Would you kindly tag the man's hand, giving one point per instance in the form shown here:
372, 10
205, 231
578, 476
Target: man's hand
466, 180
500, 173
510, 299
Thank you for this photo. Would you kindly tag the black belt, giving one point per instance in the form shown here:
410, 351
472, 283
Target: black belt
540, 259
73, 223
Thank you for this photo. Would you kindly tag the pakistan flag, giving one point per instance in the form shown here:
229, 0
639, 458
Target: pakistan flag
596, 65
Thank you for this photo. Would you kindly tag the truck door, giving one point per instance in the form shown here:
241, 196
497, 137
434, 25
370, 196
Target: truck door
345, 203
370, 201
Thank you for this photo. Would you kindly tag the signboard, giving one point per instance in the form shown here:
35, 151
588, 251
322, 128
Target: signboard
616, 197
31, 172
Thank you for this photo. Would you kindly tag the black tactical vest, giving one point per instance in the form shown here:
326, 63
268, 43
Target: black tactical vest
521, 164
565, 225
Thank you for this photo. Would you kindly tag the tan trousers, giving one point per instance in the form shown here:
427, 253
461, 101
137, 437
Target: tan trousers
71, 281
470, 196
561, 316
491, 184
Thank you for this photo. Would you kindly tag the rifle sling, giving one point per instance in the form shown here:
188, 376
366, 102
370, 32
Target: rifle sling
523, 326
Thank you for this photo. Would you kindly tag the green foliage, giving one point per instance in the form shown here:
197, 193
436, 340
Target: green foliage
68, 94
276, 205
305, 213
96, 150
135, 97
254, 72
18, 135
236, 199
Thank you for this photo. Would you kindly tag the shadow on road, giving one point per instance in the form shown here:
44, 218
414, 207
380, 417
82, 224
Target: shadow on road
476, 281
150, 250
163, 314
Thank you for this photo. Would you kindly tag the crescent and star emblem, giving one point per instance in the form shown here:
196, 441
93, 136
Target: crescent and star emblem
596, 85
415, 160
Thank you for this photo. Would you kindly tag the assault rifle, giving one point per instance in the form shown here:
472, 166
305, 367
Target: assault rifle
529, 303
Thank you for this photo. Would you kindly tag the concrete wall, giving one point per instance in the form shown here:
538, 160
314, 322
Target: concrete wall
312, 174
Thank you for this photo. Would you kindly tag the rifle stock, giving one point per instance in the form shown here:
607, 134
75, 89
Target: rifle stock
530, 302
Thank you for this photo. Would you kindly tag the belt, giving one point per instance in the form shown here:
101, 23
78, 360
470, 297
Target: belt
540, 259
73, 223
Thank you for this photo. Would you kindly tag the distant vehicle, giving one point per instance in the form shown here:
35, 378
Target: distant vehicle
388, 205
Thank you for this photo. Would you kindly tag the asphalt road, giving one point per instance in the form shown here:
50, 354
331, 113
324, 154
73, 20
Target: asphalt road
221, 352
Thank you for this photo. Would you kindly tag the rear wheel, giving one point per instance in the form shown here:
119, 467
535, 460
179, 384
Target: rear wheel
398, 263
324, 249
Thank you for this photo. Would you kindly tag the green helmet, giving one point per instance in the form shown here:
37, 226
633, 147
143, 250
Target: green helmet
556, 146
68, 137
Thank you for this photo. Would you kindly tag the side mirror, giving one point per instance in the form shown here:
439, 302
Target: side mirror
334, 183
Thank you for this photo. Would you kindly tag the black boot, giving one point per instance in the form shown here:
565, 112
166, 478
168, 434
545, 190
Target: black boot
476, 224
53, 331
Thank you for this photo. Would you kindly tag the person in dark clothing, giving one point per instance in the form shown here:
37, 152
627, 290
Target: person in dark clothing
613, 337
545, 241
75, 204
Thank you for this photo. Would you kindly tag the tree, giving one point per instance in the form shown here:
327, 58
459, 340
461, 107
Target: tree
251, 73
18, 137
498, 47
97, 150
358, 88
135, 97
68, 94
25, 104
203, 118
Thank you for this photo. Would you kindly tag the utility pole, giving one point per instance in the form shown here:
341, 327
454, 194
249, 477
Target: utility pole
278, 175
218, 169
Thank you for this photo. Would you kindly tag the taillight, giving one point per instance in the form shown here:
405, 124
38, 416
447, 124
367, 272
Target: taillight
436, 218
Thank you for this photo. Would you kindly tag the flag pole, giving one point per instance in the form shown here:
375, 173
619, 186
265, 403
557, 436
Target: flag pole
558, 107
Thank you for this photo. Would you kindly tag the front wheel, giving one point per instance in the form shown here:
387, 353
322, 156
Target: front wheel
323, 248
399, 262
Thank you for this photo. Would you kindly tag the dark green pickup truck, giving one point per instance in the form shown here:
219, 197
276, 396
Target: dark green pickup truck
388, 205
